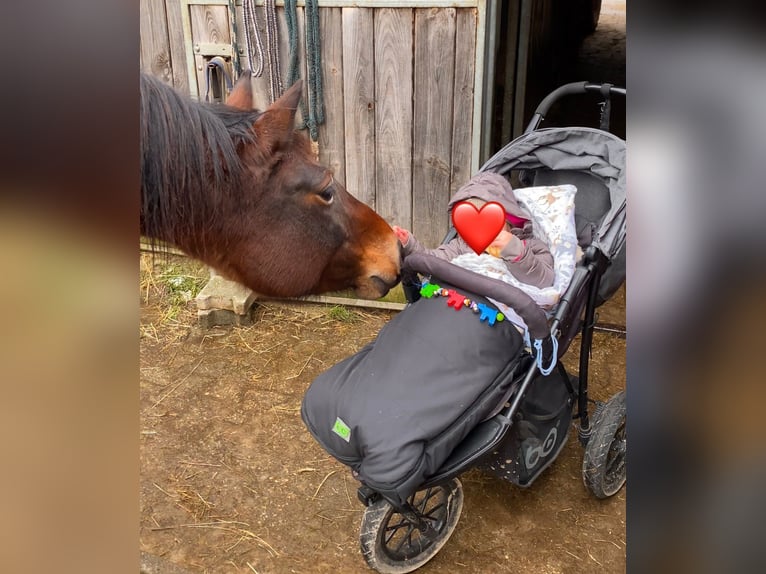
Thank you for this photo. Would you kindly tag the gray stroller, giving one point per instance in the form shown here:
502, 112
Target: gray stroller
440, 392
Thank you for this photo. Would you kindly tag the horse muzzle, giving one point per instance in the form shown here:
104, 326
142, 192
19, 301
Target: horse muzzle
376, 286
383, 267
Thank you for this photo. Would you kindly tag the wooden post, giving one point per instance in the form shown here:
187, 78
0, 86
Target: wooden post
393, 115
432, 122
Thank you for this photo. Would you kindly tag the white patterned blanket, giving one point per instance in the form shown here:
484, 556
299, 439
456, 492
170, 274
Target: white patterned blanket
552, 211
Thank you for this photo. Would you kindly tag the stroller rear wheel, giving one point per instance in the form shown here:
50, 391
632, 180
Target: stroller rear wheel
604, 466
393, 544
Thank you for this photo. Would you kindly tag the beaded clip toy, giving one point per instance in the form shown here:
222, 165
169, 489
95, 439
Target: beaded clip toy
458, 301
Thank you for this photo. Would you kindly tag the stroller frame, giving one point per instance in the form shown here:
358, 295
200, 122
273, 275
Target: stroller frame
575, 314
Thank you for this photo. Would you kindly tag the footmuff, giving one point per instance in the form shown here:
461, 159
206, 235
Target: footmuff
395, 410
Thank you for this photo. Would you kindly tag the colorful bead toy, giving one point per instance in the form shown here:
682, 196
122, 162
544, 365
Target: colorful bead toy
458, 301
428, 289
489, 314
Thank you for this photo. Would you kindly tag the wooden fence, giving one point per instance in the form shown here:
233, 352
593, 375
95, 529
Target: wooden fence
402, 84
417, 94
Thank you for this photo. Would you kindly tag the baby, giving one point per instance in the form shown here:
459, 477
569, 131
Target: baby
527, 258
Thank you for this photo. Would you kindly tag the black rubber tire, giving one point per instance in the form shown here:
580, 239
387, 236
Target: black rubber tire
604, 466
442, 503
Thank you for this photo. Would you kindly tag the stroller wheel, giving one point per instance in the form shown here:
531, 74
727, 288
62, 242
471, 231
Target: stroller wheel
604, 464
392, 544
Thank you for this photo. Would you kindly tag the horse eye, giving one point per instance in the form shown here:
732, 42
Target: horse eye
327, 195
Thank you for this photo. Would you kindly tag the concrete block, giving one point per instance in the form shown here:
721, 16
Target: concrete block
209, 318
220, 293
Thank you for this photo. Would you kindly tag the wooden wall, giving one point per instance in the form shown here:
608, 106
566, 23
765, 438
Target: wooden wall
398, 86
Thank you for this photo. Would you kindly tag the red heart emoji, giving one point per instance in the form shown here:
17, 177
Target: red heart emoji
478, 227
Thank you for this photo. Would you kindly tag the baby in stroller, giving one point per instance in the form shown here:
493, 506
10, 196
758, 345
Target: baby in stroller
526, 257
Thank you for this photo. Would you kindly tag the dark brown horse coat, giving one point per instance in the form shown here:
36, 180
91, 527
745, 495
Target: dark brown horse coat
241, 191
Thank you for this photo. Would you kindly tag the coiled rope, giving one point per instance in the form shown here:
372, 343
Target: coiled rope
272, 47
235, 65
254, 44
313, 117
312, 108
253, 41
545, 371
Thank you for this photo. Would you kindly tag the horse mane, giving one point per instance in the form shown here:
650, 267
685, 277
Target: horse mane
190, 169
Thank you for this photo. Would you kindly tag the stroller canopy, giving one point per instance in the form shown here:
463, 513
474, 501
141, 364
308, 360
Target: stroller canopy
575, 149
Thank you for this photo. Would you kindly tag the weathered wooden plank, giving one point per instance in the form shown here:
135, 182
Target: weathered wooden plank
359, 103
209, 24
332, 137
155, 51
393, 115
432, 122
143, 66
462, 123
177, 45
351, 302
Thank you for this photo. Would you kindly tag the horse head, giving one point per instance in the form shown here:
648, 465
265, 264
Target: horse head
303, 232
241, 191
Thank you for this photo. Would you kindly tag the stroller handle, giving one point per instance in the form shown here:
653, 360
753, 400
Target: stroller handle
568, 90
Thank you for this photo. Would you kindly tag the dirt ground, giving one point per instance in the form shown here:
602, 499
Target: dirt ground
232, 482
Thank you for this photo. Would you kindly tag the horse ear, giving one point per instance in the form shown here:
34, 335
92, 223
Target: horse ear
241, 95
290, 99
277, 124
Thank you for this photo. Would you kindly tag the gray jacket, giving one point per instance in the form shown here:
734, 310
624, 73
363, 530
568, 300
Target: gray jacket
527, 258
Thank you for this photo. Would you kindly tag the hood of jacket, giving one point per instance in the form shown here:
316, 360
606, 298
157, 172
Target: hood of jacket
489, 186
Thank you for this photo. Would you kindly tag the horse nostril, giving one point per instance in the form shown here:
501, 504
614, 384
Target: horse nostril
378, 281
383, 284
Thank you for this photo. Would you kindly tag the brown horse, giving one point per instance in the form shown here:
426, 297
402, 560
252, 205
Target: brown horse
239, 190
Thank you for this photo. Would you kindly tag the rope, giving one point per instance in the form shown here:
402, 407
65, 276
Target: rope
554, 355
314, 115
235, 65
252, 32
291, 18
272, 41
293, 68
314, 60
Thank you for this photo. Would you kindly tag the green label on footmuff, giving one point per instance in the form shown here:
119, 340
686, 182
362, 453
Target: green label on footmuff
341, 429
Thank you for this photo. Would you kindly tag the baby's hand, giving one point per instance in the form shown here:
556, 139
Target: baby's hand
402, 234
501, 240
494, 251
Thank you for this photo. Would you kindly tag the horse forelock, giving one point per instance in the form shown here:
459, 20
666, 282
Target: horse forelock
190, 167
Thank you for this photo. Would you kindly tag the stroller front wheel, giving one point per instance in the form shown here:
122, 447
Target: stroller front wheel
392, 544
604, 469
